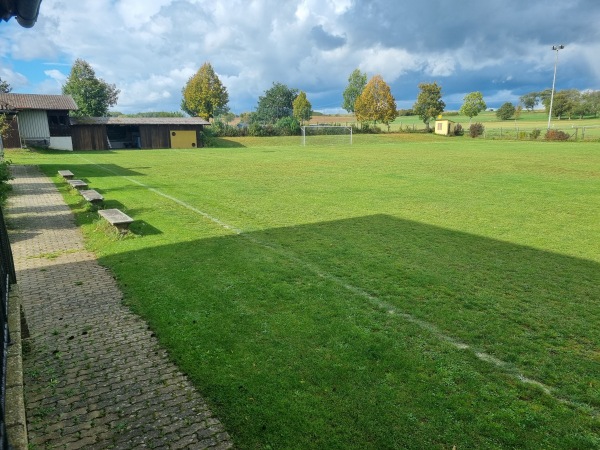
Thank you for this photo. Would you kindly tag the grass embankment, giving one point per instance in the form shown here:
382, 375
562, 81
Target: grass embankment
393, 294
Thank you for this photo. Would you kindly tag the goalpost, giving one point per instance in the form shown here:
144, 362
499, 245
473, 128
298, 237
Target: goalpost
326, 134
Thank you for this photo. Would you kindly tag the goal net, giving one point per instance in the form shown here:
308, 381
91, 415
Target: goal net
326, 135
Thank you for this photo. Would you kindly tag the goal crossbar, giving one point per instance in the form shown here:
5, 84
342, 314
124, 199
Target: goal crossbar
325, 129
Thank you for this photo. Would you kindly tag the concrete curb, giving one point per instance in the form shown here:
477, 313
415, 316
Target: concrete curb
16, 422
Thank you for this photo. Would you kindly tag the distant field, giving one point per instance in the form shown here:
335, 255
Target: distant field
408, 291
526, 122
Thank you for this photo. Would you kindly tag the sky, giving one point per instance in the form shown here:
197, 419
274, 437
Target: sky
150, 48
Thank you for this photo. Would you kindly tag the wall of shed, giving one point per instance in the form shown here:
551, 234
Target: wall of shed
11, 139
33, 124
158, 136
89, 137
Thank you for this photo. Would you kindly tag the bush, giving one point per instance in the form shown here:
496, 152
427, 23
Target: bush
222, 129
535, 133
506, 111
366, 128
458, 130
287, 126
556, 135
4, 178
476, 129
258, 130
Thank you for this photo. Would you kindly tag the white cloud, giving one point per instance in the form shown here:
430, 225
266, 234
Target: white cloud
149, 48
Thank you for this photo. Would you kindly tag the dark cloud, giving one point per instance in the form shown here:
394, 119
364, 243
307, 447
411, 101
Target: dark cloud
324, 40
149, 48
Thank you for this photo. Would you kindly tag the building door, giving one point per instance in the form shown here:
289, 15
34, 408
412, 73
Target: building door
183, 139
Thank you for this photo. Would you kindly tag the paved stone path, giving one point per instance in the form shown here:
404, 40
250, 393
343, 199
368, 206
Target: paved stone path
94, 375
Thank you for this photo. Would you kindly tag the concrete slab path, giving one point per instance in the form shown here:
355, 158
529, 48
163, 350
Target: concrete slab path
94, 375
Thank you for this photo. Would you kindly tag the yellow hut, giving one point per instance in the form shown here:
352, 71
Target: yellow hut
444, 127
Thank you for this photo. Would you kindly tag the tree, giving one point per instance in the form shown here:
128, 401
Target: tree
302, 109
376, 102
565, 102
275, 104
92, 95
5, 88
204, 95
591, 99
530, 100
506, 111
356, 83
473, 105
429, 103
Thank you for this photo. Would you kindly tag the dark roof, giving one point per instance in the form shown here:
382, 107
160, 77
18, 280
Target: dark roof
36, 101
138, 121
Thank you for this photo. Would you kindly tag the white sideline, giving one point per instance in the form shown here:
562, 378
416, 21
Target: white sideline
507, 368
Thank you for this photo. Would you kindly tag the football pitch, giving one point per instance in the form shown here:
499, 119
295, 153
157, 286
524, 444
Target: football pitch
406, 291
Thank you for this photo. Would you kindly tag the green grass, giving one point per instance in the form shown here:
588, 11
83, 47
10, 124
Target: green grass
406, 292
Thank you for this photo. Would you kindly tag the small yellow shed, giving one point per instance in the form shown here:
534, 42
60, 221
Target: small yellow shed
444, 127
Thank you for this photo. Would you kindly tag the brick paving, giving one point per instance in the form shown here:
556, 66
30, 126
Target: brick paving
94, 375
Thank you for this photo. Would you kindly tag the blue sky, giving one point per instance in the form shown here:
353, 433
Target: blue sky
150, 48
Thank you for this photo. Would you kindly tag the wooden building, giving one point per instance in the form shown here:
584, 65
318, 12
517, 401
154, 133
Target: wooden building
105, 133
40, 120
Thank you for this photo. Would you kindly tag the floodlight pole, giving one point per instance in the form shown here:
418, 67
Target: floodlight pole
556, 48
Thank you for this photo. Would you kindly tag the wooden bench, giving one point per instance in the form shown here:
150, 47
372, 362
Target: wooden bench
77, 184
66, 174
116, 218
92, 196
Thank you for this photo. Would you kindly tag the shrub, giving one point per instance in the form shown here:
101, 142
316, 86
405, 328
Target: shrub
258, 130
506, 111
4, 178
535, 133
458, 130
287, 126
556, 135
476, 129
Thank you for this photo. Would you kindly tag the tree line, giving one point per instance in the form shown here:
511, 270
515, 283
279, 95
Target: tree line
283, 110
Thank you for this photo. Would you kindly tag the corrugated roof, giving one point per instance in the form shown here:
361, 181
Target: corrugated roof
37, 101
138, 121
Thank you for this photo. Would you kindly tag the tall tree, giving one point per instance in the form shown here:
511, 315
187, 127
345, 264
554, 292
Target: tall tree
356, 83
376, 102
5, 88
530, 100
302, 109
473, 105
92, 95
275, 104
204, 95
429, 102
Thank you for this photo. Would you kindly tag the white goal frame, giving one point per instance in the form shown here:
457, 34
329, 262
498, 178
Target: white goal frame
305, 127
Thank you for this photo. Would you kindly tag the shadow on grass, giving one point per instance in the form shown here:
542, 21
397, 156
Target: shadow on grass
225, 143
88, 170
337, 334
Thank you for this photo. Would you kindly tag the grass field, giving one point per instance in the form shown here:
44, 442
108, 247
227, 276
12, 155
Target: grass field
409, 291
495, 129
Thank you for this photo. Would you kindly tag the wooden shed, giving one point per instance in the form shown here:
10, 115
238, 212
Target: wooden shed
106, 133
